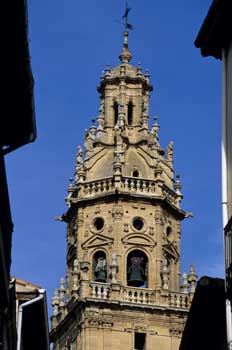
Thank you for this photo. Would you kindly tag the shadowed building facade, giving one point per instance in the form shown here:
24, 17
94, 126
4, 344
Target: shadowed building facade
123, 288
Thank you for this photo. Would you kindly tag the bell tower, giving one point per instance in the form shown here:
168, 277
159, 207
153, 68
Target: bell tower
123, 287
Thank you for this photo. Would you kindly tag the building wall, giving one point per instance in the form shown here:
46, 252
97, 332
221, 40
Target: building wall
106, 328
119, 236
228, 92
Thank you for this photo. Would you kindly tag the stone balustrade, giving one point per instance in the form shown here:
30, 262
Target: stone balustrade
93, 188
178, 300
142, 296
133, 295
89, 189
100, 290
138, 295
170, 195
107, 185
138, 185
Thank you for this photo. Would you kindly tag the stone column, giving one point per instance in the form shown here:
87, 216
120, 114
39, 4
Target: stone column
84, 281
159, 255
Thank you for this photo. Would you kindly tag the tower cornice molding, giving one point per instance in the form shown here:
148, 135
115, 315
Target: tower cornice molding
127, 79
130, 197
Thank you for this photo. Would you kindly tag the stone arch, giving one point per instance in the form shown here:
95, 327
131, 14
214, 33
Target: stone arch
115, 110
99, 265
169, 233
130, 111
135, 173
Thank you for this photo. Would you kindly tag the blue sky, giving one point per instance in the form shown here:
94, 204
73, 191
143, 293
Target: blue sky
71, 42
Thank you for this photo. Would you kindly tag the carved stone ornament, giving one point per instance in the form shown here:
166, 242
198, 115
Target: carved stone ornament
170, 251
79, 155
140, 327
80, 218
100, 321
159, 219
97, 240
126, 227
176, 331
97, 210
89, 140
117, 212
139, 239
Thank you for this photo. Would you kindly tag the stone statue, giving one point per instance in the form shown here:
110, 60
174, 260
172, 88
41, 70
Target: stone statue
79, 154
89, 140
114, 268
170, 151
117, 157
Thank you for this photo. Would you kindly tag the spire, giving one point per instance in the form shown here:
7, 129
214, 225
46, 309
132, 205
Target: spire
125, 56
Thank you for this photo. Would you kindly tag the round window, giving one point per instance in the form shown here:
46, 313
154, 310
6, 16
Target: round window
98, 223
138, 224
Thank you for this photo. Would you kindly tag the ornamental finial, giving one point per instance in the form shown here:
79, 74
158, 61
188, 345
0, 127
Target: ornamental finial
125, 56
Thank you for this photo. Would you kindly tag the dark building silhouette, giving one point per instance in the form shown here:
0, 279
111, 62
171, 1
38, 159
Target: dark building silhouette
215, 39
206, 323
17, 128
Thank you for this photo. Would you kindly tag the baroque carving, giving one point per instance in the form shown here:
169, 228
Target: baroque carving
176, 331
170, 251
140, 327
97, 240
139, 239
96, 320
159, 219
80, 217
151, 231
97, 210
126, 227
117, 212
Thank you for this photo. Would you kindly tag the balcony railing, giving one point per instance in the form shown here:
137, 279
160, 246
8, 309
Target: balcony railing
98, 187
100, 290
107, 292
137, 185
126, 184
179, 300
140, 296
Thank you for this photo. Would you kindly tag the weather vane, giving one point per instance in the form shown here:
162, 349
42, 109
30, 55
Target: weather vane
125, 17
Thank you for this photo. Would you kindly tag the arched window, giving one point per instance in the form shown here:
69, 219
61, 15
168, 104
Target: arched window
115, 107
99, 267
130, 113
137, 269
135, 173
170, 235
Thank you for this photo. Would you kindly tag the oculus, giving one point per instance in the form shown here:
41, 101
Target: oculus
98, 223
138, 223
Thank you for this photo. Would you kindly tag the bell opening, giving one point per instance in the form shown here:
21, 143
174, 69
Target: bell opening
137, 266
100, 267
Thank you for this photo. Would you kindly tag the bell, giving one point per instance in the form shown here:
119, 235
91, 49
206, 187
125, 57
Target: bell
100, 276
100, 270
136, 276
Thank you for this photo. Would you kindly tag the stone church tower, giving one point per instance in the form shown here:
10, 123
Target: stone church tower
123, 288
